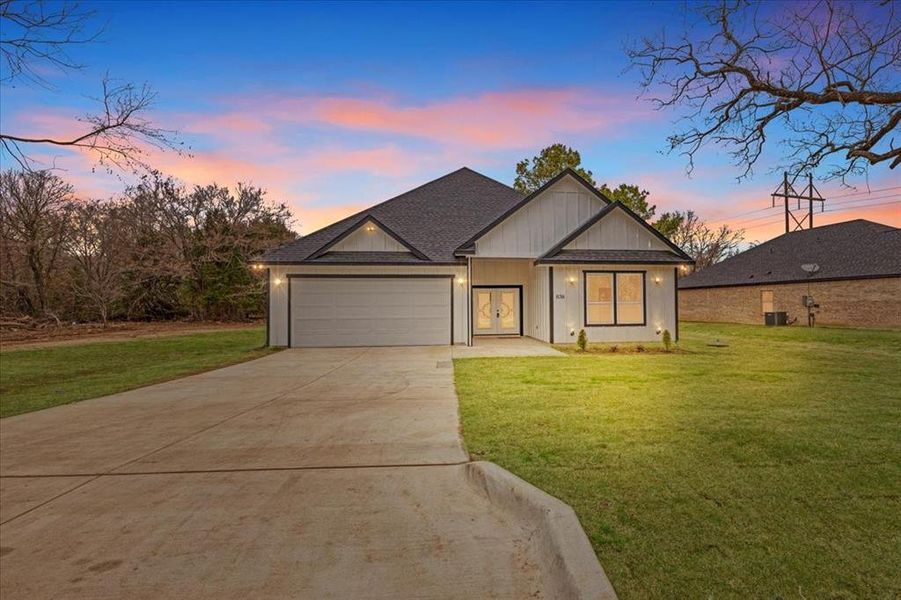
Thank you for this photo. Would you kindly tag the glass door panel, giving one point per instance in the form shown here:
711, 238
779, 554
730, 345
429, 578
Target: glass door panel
496, 311
484, 315
508, 310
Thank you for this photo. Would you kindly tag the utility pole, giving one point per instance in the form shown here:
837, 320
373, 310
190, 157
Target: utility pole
787, 192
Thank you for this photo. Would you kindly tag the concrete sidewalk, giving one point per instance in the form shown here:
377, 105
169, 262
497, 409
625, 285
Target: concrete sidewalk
328, 473
501, 347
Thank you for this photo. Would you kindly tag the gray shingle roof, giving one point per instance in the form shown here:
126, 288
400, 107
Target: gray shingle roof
434, 218
614, 256
850, 250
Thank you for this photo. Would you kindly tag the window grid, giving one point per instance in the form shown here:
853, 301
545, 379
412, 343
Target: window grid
586, 275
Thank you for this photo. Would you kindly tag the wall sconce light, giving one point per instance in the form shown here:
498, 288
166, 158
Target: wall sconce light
657, 279
370, 228
571, 280
461, 280
277, 281
659, 329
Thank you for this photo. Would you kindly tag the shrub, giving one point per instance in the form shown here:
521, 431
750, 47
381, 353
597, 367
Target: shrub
582, 341
667, 340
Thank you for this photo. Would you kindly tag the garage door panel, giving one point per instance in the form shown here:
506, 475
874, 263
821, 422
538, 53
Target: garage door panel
370, 312
428, 312
314, 312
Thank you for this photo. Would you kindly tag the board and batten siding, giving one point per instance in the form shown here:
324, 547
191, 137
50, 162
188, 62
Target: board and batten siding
536, 227
539, 291
569, 311
616, 231
364, 240
278, 293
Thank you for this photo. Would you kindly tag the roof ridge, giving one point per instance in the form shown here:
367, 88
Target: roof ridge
491, 179
828, 225
368, 209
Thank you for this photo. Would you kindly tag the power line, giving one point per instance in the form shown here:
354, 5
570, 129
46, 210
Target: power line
865, 199
769, 208
869, 192
865, 206
750, 212
854, 201
830, 210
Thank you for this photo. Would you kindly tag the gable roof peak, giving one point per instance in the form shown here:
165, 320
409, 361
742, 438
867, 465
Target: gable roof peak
368, 217
615, 204
462, 248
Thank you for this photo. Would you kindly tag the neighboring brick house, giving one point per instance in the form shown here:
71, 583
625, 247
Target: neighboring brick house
856, 283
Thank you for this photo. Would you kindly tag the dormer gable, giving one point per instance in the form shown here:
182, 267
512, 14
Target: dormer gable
368, 235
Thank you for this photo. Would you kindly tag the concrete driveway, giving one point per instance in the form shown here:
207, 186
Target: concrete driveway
328, 473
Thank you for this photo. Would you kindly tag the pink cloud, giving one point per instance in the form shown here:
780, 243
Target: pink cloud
226, 122
493, 120
267, 141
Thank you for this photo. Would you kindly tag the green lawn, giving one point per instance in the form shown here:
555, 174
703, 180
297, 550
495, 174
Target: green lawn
770, 468
32, 379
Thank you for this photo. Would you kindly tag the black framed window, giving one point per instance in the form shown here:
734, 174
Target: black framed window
614, 298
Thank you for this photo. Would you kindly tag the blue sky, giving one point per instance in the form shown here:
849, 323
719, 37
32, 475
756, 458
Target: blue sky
333, 106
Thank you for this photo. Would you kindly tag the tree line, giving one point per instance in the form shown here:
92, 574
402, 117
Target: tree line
158, 251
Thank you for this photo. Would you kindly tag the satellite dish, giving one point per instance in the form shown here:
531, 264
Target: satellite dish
810, 268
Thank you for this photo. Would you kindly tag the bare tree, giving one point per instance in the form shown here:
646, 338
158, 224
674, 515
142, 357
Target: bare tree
34, 207
705, 245
96, 246
38, 34
160, 251
118, 137
826, 71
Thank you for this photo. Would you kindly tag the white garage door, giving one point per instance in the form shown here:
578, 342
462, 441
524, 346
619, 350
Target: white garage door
389, 311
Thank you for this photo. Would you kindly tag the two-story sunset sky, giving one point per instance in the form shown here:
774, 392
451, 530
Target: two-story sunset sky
334, 107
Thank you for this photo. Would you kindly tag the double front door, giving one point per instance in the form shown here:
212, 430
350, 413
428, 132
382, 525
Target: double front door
496, 311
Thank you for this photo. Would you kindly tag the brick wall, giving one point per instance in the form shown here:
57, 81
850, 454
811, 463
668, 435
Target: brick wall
851, 303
